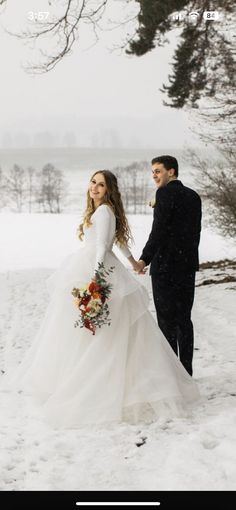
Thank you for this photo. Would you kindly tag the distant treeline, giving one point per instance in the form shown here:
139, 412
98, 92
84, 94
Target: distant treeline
136, 186
46, 190
30, 190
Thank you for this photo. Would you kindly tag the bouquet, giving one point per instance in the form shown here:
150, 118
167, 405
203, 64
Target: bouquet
91, 301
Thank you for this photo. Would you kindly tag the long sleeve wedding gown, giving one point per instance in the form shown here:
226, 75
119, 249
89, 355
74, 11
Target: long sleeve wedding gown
125, 372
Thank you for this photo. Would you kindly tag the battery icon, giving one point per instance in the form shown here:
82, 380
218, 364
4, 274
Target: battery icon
211, 15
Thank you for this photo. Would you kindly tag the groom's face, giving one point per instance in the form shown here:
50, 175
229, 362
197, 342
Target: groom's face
161, 176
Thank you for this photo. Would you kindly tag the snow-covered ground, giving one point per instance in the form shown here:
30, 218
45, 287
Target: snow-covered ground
195, 453
43, 240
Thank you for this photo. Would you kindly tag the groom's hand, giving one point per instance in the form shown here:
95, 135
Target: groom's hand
140, 267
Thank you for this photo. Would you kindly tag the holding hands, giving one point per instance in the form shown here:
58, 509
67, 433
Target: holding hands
138, 265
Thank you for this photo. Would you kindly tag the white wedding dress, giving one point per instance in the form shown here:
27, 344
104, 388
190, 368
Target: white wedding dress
125, 372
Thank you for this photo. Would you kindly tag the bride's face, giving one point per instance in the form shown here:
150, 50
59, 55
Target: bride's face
97, 188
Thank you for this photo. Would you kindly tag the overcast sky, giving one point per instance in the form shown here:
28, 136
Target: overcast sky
90, 92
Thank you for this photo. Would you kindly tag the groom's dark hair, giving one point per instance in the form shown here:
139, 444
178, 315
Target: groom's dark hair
168, 162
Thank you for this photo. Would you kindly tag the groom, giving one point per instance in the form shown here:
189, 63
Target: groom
172, 250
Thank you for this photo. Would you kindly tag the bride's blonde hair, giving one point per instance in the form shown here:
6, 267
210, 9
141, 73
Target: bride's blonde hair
112, 198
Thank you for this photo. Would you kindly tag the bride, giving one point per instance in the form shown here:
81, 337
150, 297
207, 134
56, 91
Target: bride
125, 372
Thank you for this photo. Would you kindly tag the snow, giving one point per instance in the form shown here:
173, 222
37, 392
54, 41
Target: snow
43, 240
195, 453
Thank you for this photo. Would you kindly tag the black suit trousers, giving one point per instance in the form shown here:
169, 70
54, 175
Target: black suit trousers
173, 297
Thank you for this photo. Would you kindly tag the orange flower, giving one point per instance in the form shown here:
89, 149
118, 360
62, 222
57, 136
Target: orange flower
96, 295
91, 301
93, 287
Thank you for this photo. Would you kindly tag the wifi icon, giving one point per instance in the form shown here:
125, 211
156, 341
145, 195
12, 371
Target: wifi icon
194, 15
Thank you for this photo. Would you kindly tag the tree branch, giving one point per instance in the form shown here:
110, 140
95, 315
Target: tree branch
64, 30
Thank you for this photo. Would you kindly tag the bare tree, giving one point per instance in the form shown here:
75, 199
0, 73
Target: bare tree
216, 181
216, 122
52, 189
60, 190
22, 189
31, 174
15, 186
2, 190
134, 183
63, 29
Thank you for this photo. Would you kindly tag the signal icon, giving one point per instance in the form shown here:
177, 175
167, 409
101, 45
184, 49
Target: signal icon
177, 16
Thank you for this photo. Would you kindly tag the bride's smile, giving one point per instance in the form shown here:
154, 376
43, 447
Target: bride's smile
97, 189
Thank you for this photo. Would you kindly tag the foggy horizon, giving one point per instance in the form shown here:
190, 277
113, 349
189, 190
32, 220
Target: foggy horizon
98, 132
94, 97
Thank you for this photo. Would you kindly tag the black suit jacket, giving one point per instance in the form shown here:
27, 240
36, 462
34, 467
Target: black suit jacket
173, 242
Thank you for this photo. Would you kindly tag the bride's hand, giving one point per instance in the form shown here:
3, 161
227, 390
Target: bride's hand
139, 267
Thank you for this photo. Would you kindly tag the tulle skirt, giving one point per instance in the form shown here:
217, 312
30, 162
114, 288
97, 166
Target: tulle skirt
125, 372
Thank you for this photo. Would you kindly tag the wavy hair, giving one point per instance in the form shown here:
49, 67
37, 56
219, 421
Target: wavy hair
114, 200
